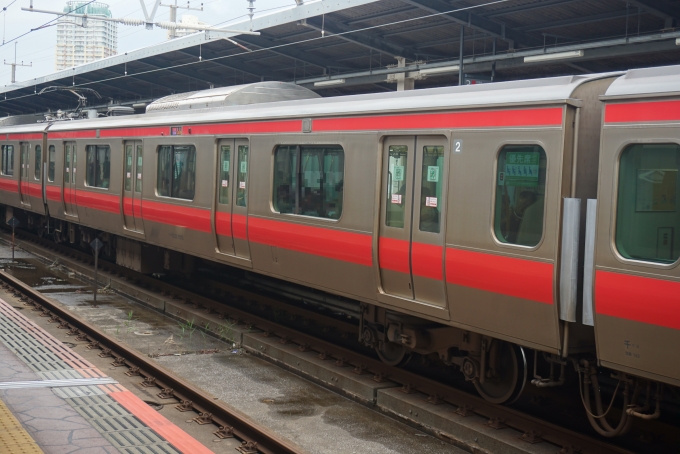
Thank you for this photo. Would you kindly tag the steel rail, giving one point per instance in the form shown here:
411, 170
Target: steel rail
498, 415
231, 422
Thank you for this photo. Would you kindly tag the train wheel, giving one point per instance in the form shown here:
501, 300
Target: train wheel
510, 375
393, 354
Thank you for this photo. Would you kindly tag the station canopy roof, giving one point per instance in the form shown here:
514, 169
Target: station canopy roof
339, 47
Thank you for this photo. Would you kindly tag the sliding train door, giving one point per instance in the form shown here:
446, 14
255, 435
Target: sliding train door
224, 202
69, 190
132, 187
25, 159
231, 212
412, 223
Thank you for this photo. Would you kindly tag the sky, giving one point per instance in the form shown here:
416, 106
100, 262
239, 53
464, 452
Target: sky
38, 47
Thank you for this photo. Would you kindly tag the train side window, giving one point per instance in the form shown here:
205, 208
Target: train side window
396, 186
98, 170
128, 167
520, 195
647, 214
7, 160
53, 160
431, 188
225, 161
309, 180
242, 176
177, 171
38, 163
285, 179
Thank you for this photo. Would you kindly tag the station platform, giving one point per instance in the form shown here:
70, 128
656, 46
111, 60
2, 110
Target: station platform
52, 400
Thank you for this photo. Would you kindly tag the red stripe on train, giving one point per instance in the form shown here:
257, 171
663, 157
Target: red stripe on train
427, 261
393, 255
26, 136
334, 244
226, 128
223, 223
98, 201
488, 119
180, 216
641, 299
520, 278
239, 226
642, 111
34, 190
7, 184
53, 193
127, 206
87, 134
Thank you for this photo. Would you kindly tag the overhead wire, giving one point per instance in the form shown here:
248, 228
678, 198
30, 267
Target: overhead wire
265, 49
46, 24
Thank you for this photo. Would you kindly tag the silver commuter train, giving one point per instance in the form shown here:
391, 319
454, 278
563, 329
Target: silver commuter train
477, 223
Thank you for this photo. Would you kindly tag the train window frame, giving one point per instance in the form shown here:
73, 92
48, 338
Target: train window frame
87, 165
614, 206
192, 147
494, 188
298, 184
38, 165
4, 170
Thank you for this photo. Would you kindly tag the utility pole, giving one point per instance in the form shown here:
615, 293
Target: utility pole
173, 15
15, 64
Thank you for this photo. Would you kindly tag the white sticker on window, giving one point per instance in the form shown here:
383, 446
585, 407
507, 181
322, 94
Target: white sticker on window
398, 173
129, 175
67, 170
396, 198
225, 166
225, 183
74, 170
433, 173
242, 185
501, 178
431, 202
139, 176
244, 167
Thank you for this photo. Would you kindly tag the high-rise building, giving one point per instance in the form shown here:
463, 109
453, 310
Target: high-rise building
78, 44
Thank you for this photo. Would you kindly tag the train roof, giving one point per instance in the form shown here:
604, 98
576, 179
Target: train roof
524, 92
648, 82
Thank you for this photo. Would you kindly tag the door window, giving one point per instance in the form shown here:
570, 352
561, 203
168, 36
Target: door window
225, 155
38, 163
139, 169
520, 195
67, 166
431, 188
24, 161
242, 176
285, 179
647, 214
396, 186
128, 167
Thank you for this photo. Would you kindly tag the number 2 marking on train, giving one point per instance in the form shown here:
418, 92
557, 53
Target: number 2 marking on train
458, 146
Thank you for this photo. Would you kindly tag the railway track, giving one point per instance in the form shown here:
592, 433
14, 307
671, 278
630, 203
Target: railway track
529, 428
229, 423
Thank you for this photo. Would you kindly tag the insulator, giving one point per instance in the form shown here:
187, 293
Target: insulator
131, 21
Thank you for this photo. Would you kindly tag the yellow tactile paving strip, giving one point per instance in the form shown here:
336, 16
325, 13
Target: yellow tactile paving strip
13, 437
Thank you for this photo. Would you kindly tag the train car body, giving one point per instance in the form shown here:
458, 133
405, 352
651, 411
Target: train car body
455, 216
637, 281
